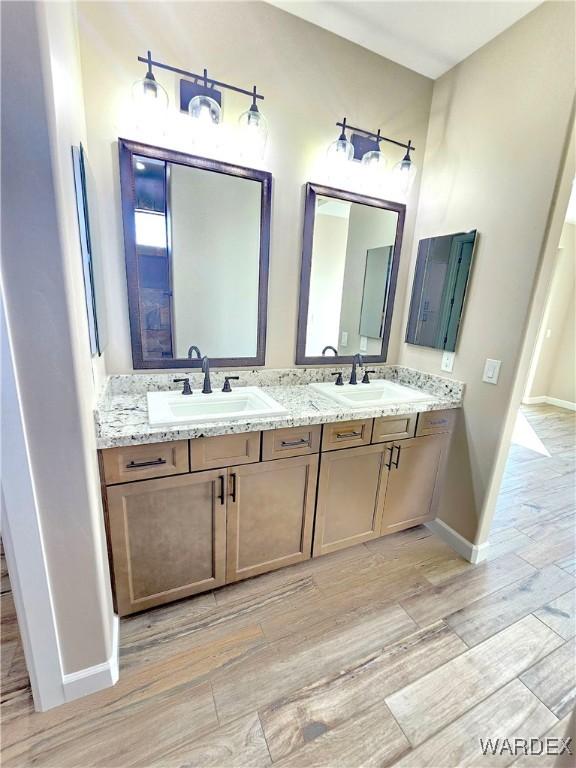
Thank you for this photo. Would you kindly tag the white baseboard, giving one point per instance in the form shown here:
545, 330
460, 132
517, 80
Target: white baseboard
568, 404
96, 678
471, 552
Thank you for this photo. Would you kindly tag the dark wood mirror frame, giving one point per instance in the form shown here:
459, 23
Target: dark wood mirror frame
312, 191
127, 150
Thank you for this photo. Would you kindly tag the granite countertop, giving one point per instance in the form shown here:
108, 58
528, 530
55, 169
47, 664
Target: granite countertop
122, 414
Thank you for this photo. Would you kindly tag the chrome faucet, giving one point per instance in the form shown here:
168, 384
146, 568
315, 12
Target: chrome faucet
207, 388
356, 360
330, 347
193, 350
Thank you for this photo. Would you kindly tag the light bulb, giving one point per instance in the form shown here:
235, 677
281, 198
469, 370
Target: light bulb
150, 102
403, 174
374, 162
253, 133
205, 116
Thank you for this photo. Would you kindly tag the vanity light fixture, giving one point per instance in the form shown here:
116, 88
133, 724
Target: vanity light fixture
254, 128
149, 97
404, 172
201, 98
341, 150
365, 146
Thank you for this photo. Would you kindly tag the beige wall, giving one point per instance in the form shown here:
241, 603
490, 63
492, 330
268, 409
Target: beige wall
310, 78
554, 368
498, 125
42, 117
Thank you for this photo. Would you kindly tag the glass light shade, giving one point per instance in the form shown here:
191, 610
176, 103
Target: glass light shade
205, 111
403, 175
340, 151
374, 161
150, 102
253, 132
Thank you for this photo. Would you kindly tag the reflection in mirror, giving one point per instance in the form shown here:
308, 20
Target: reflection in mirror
196, 236
440, 280
349, 264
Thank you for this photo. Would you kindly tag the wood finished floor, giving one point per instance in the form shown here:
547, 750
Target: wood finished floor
393, 653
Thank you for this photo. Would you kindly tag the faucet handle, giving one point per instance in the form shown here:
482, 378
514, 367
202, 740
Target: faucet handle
227, 387
366, 378
186, 389
339, 380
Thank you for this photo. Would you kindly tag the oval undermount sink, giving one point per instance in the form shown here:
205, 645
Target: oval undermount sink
170, 408
377, 392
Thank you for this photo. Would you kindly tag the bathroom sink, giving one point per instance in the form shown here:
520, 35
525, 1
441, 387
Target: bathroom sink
170, 408
378, 392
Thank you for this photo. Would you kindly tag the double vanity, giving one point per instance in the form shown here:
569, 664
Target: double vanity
203, 490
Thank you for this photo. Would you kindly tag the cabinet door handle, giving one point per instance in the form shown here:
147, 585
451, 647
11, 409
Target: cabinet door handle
233, 493
347, 435
138, 464
294, 443
389, 462
221, 494
397, 462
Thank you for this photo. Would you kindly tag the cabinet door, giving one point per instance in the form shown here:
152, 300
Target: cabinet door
270, 515
413, 481
167, 538
350, 497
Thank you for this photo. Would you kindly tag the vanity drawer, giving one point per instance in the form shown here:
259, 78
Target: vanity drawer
433, 422
346, 434
224, 451
143, 462
296, 441
394, 427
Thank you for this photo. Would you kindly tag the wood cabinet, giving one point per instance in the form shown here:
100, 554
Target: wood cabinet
224, 450
270, 515
295, 441
413, 483
346, 434
142, 462
168, 538
351, 490
234, 506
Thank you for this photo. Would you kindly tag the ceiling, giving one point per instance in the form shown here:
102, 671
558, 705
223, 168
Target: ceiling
427, 36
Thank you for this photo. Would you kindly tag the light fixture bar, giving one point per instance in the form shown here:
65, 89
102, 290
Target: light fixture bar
377, 136
208, 81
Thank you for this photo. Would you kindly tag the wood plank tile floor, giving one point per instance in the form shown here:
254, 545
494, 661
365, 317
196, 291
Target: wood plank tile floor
393, 653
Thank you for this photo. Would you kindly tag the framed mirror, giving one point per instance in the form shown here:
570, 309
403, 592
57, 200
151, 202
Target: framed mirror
197, 238
440, 280
93, 294
350, 256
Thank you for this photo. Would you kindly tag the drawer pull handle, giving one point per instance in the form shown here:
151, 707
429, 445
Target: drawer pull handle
139, 464
294, 443
438, 422
347, 435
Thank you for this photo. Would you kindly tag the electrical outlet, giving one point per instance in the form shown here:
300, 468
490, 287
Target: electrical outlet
363, 343
491, 371
447, 362
344, 339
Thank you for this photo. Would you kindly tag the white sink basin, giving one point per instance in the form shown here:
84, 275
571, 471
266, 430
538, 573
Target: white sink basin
378, 392
169, 408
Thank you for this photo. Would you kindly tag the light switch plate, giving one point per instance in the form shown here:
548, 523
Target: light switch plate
344, 338
363, 343
491, 371
447, 362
